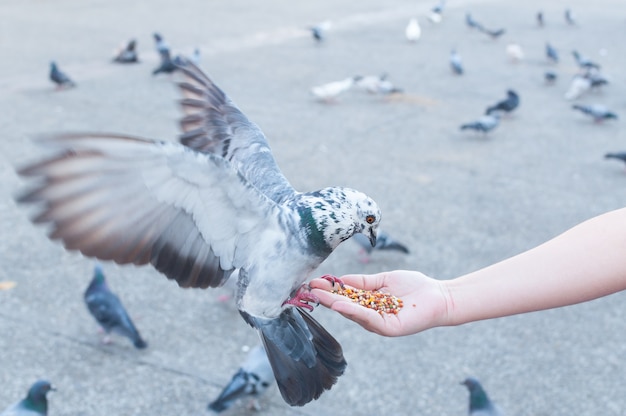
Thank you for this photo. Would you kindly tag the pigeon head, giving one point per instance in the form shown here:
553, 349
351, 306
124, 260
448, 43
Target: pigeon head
478, 396
610, 115
36, 398
98, 276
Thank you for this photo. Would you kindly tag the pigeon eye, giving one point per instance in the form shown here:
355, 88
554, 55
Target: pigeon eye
370, 219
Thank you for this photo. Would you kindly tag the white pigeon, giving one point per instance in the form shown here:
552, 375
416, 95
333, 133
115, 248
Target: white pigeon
252, 379
376, 84
413, 31
578, 87
330, 91
199, 209
456, 62
514, 52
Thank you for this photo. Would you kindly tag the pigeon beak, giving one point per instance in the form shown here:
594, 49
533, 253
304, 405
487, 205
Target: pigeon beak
372, 237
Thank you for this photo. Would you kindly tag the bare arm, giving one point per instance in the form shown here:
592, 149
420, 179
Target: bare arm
586, 262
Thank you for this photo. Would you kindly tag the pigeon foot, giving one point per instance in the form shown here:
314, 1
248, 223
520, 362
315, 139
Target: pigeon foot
302, 298
334, 280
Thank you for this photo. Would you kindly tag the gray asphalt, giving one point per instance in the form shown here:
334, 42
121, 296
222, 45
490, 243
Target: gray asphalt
460, 201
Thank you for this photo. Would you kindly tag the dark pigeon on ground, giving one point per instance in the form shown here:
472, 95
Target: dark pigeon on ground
569, 17
550, 77
252, 379
552, 54
383, 242
540, 21
167, 65
479, 402
34, 404
484, 124
616, 155
493, 34
598, 112
59, 77
128, 54
510, 103
108, 310
584, 62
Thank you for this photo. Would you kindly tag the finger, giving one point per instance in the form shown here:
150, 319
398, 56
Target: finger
319, 283
326, 297
367, 318
365, 281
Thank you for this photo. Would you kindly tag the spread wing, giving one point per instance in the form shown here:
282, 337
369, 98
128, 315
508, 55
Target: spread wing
139, 201
213, 124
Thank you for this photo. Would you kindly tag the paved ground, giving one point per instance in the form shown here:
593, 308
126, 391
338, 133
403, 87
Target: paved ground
459, 201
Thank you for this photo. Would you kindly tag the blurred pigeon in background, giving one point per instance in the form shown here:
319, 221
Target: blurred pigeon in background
383, 242
550, 77
59, 77
456, 63
479, 402
540, 21
552, 54
584, 62
510, 103
569, 17
598, 112
167, 65
319, 31
34, 404
376, 84
436, 13
108, 310
196, 56
199, 209
127, 54
160, 44
579, 85
413, 30
514, 52
616, 155
330, 91
484, 124
252, 379
493, 34
471, 23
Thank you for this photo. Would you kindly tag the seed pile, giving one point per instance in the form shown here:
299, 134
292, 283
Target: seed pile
380, 302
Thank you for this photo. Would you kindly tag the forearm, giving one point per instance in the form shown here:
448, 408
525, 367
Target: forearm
584, 263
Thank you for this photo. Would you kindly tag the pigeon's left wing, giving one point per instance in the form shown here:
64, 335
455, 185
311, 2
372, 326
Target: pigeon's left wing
213, 124
140, 201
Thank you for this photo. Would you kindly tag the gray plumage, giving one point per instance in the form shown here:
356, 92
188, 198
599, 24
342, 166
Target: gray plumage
493, 34
107, 309
252, 379
160, 44
621, 156
127, 54
540, 20
552, 54
471, 23
550, 77
59, 77
508, 105
484, 124
596, 111
569, 17
34, 404
456, 63
584, 62
479, 402
167, 64
198, 210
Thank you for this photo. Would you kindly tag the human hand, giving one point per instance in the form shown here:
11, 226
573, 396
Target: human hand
424, 299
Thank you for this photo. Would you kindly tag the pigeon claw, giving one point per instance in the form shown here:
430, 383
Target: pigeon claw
334, 280
302, 298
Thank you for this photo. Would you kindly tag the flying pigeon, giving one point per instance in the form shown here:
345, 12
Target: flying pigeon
484, 124
60, 78
34, 404
199, 209
616, 155
319, 31
471, 23
514, 52
456, 63
599, 113
579, 85
167, 65
584, 62
569, 17
330, 91
383, 242
127, 54
160, 44
479, 402
251, 380
510, 103
540, 21
108, 310
552, 54
413, 31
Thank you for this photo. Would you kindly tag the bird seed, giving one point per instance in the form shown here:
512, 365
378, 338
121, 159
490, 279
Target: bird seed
380, 302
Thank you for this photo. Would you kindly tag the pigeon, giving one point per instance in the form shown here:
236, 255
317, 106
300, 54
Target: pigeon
160, 44
59, 77
196, 56
552, 54
376, 84
34, 404
319, 31
584, 62
514, 52
579, 85
167, 65
330, 91
616, 155
596, 78
598, 112
493, 34
252, 379
479, 402
198, 209
456, 62
550, 77
108, 310
484, 124
436, 13
127, 54
510, 103
413, 31
540, 21
569, 17
471, 23
383, 242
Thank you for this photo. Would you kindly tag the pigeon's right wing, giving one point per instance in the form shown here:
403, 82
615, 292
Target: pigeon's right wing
132, 200
213, 124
